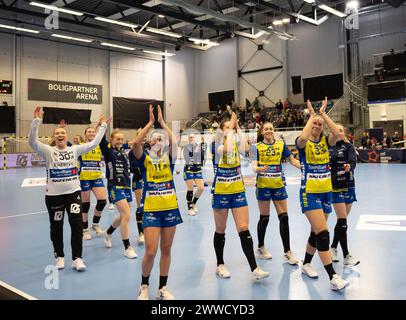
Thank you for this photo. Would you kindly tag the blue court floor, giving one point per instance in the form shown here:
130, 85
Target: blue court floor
26, 250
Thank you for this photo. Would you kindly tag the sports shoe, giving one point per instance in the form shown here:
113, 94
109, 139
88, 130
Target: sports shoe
141, 239
191, 212
130, 253
338, 283
111, 206
164, 294
143, 292
195, 209
308, 270
350, 261
260, 274
107, 239
78, 264
291, 258
86, 235
263, 253
222, 271
60, 263
96, 228
334, 255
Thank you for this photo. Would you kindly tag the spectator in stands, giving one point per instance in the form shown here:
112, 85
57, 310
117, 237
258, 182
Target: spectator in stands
219, 111
364, 140
396, 138
351, 137
299, 119
374, 143
387, 141
286, 104
279, 106
251, 125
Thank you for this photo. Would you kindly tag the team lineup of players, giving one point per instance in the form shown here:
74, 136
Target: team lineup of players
327, 165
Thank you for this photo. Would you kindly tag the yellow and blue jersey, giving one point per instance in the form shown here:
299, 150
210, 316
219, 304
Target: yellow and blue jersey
90, 168
228, 179
271, 155
159, 192
315, 166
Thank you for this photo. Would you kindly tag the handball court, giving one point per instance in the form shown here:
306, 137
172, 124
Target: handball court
375, 237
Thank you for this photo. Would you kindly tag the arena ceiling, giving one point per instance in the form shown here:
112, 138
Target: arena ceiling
167, 25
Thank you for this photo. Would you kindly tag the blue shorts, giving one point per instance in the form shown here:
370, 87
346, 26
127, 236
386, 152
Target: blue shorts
137, 184
345, 196
268, 194
86, 185
190, 175
314, 201
118, 194
229, 201
161, 219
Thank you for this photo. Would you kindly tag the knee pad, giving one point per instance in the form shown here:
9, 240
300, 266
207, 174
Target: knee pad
312, 239
85, 207
100, 205
245, 234
323, 241
342, 225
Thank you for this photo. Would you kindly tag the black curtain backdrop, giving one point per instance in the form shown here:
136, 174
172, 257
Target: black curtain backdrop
7, 120
296, 84
221, 98
391, 91
71, 116
131, 113
330, 86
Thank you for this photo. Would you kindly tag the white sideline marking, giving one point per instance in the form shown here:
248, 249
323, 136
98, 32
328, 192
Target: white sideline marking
22, 215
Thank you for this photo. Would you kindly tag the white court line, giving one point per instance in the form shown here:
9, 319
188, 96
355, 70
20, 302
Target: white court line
22, 215
15, 290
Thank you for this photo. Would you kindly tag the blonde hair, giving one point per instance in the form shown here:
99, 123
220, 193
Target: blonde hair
114, 133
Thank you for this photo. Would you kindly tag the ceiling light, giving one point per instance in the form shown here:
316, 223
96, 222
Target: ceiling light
277, 22
310, 20
161, 16
121, 23
353, 4
152, 3
70, 38
309, 1
18, 28
331, 10
116, 46
249, 35
283, 37
204, 41
285, 20
164, 32
55, 8
166, 54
